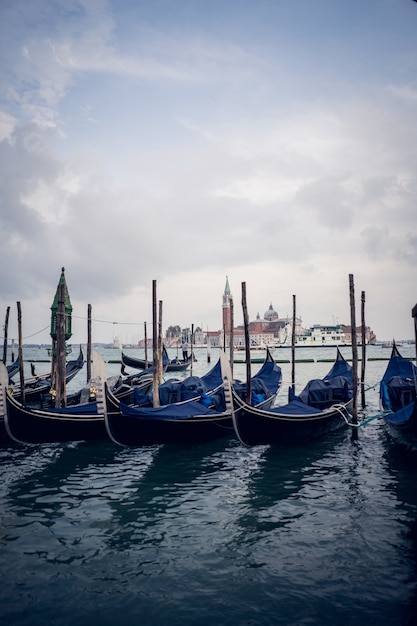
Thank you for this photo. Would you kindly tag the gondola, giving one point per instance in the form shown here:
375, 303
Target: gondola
37, 388
203, 418
324, 405
397, 393
170, 365
82, 422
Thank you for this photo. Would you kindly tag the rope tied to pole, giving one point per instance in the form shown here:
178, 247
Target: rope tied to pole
365, 421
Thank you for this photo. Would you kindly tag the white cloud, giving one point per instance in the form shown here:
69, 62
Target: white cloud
7, 124
134, 148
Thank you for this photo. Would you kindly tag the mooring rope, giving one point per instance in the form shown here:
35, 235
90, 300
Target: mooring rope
372, 386
363, 422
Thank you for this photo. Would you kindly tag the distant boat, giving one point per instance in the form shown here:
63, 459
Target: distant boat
169, 365
390, 344
317, 336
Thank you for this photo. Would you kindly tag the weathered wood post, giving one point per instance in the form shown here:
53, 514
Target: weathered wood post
414, 315
20, 353
247, 345
354, 355
208, 349
363, 364
88, 343
53, 362
160, 343
6, 330
293, 343
192, 349
231, 340
146, 344
155, 370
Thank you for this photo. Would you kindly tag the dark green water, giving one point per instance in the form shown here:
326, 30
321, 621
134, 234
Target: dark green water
319, 534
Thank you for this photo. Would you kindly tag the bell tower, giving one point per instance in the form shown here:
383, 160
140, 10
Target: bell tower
227, 299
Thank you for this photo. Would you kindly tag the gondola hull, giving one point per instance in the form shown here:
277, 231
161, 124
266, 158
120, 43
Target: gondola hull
323, 406
259, 427
398, 400
85, 422
183, 422
27, 425
130, 430
133, 426
402, 426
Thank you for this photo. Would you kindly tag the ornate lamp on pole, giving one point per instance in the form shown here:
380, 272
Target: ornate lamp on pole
60, 332
67, 309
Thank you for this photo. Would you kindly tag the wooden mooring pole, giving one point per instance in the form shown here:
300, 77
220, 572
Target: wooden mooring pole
354, 355
293, 344
20, 353
155, 370
363, 339
6, 329
88, 343
247, 345
192, 349
414, 316
231, 337
146, 344
160, 343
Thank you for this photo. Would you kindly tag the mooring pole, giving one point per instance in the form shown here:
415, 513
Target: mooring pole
155, 370
414, 315
231, 338
293, 344
88, 343
192, 349
146, 344
20, 348
354, 355
160, 343
363, 364
247, 345
6, 329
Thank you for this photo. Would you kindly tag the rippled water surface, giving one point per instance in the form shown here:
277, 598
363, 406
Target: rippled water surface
319, 534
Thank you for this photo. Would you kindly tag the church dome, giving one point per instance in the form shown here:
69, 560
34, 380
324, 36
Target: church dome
270, 314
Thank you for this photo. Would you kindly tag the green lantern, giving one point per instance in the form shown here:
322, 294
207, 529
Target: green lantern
68, 309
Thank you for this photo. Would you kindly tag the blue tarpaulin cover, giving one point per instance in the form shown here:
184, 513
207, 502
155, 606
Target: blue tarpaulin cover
171, 411
398, 385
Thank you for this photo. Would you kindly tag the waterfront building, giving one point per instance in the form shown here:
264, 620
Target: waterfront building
273, 331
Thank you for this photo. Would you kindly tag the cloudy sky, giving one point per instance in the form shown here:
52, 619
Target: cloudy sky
183, 141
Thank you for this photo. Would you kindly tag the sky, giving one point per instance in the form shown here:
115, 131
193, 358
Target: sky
184, 141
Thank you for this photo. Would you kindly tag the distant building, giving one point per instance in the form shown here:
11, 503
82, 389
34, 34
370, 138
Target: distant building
273, 331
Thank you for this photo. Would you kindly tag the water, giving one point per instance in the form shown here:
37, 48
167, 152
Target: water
319, 534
